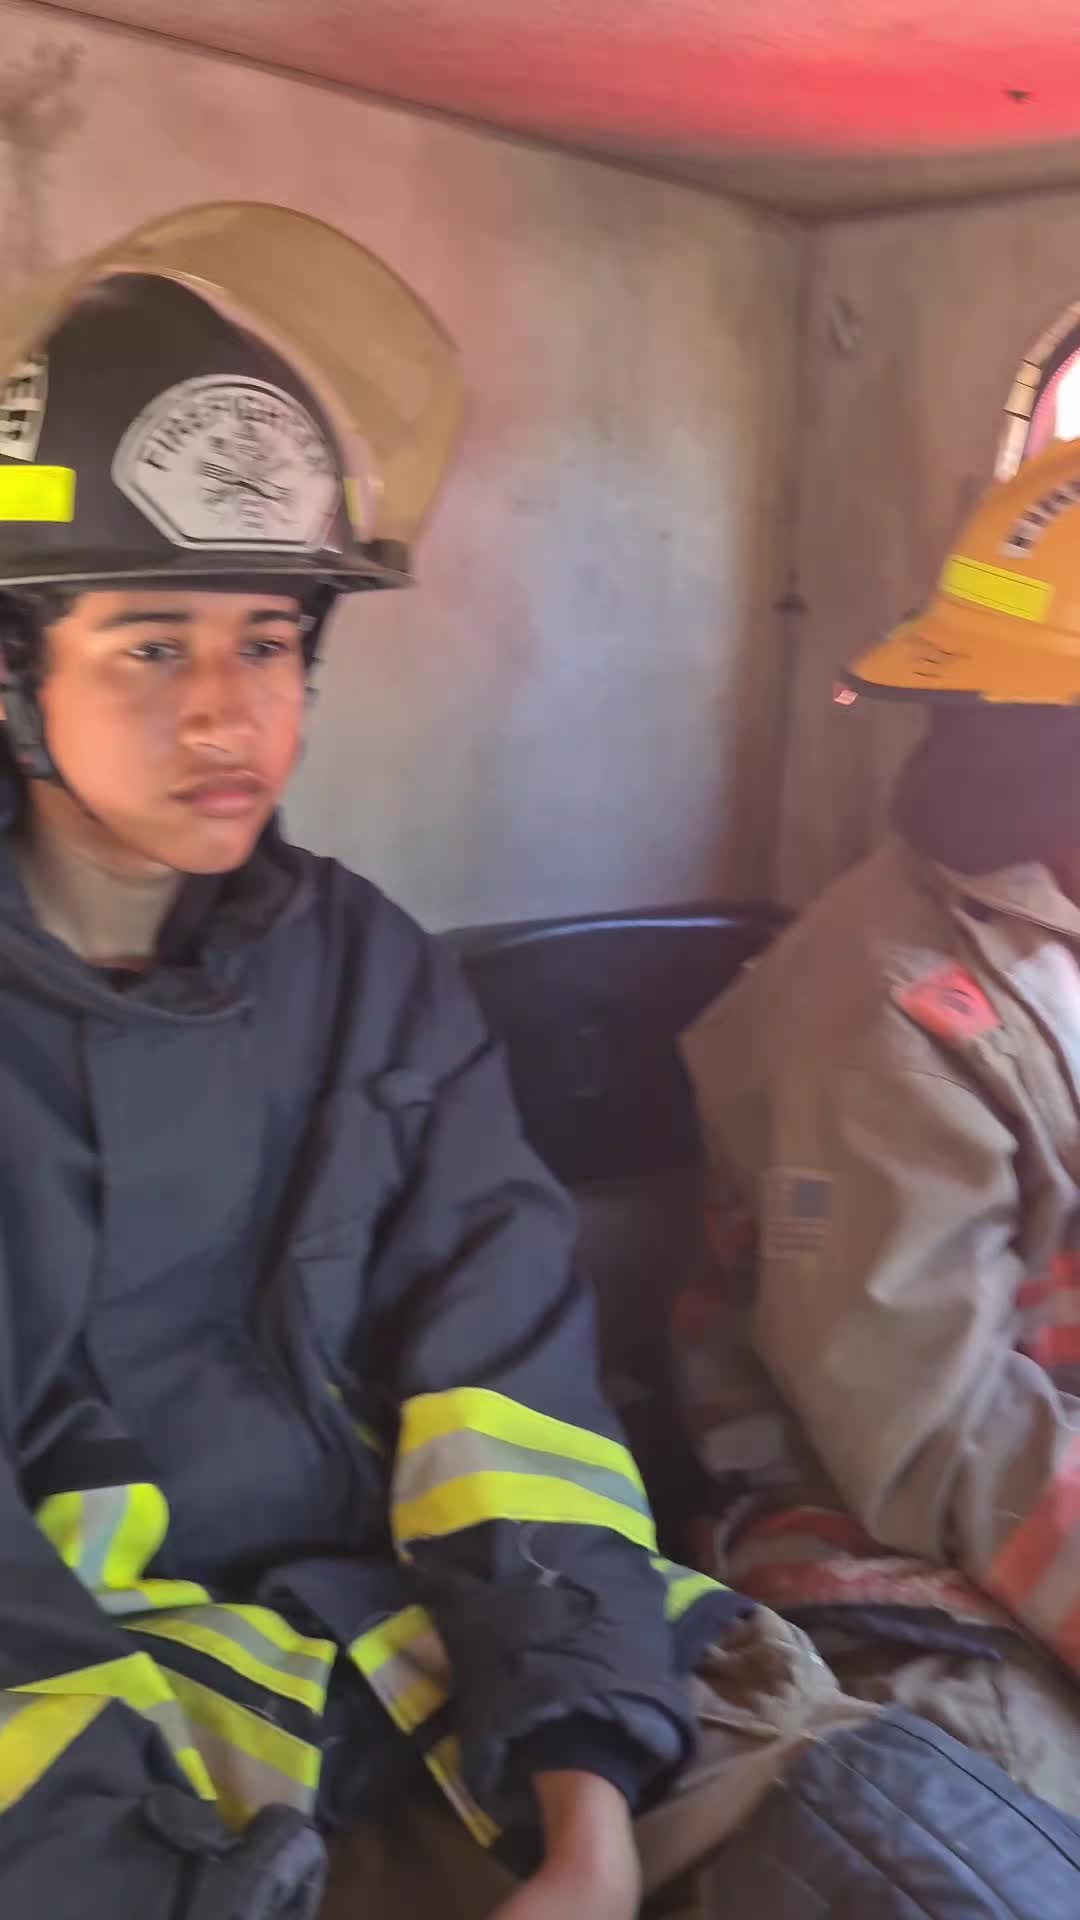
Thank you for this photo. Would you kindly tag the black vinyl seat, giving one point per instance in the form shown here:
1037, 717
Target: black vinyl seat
590, 1011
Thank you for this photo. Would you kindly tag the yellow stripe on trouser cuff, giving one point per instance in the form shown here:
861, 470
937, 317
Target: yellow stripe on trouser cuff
252, 1763
136, 1683
406, 1664
61, 1521
255, 1643
150, 1596
106, 1535
35, 1735
444, 1762
135, 1680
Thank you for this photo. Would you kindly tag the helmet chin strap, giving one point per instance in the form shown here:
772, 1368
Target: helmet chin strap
26, 733
29, 745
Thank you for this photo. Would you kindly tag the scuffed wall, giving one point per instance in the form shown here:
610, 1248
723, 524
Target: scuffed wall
916, 327
577, 708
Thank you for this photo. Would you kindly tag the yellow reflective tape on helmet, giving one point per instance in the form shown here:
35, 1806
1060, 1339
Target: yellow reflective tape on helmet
37, 493
35, 1738
997, 588
250, 1762
521, 1497
255, 1643
432, 1415
444, 1762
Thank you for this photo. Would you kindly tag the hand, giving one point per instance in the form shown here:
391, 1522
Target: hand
591, 1869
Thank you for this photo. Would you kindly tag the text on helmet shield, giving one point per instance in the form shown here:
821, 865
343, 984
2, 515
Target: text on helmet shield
229, 464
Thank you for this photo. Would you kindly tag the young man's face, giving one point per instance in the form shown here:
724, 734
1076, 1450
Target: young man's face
176, 718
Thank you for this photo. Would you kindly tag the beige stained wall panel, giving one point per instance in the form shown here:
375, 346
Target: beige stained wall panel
577, 707
916, 326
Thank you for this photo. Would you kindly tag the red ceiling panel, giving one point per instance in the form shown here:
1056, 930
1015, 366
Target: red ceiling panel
671, 81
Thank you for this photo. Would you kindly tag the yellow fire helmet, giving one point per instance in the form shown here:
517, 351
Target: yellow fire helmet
1004, 623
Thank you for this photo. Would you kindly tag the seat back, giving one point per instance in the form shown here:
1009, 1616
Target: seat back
590, 1011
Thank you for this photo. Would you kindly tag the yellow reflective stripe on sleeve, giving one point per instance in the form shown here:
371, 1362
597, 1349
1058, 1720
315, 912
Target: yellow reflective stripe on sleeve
61, 1521
684, 1587
471, 1455
134, 1679
148, 1596
137, 1537
444, 1762
253, 1642
479, 1497
367, 1435
406, 1664
252, 1763
137, 1683
431, 1416
106, 1535
391, 1636
33, 1738
171, 1723
271, 1626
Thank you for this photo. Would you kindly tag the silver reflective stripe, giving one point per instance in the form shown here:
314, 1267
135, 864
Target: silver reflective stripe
454, 1455
172, 1723
122, 1602
397, 1676
169, 1718
12, 1704
104, 1511
253, 1783
243, 1633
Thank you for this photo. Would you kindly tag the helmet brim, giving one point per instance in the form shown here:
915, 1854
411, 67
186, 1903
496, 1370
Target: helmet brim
959, 653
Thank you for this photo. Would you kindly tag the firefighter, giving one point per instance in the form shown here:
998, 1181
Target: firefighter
883, 1367
313, 1525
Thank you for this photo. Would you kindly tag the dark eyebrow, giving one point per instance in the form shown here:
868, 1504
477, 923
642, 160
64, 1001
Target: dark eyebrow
147, 618
157, 617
